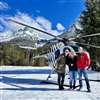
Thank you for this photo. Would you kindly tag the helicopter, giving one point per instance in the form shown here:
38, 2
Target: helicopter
58, 42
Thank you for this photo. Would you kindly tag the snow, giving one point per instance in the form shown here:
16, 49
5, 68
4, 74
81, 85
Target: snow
24, 83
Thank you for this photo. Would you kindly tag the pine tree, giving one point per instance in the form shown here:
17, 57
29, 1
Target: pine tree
90, 21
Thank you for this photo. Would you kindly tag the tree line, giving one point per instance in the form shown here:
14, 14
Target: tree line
90, 23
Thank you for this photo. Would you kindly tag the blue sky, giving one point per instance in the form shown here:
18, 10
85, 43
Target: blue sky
59, 13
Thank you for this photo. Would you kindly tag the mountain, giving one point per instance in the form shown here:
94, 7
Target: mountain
29, 38
73, 30
21, 37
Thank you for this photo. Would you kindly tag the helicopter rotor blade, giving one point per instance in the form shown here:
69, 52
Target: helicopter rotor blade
94, 46
20, 23
85, 36
64, 40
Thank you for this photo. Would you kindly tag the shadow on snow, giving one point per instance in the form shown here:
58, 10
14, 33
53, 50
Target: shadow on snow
16, 82
26, 71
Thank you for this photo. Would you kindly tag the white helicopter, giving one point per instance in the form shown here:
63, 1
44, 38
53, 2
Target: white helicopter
58, 42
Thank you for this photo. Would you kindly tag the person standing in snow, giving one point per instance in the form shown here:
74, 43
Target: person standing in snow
83, 61
71, 59
60, 69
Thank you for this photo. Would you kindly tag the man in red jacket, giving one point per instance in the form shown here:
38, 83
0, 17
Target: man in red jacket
83, 62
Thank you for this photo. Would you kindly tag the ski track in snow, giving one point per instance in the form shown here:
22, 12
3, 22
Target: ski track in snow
24, 83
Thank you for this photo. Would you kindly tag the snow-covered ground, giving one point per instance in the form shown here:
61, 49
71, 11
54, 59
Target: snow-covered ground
24, 83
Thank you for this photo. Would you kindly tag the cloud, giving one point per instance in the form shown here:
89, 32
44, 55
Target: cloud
3, 5
47, 26
1, 28
6, 25
44, 22
60, 27
38, 22
5, 35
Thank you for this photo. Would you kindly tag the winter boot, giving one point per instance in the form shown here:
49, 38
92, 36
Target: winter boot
62, 87
88, 90
73, 87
